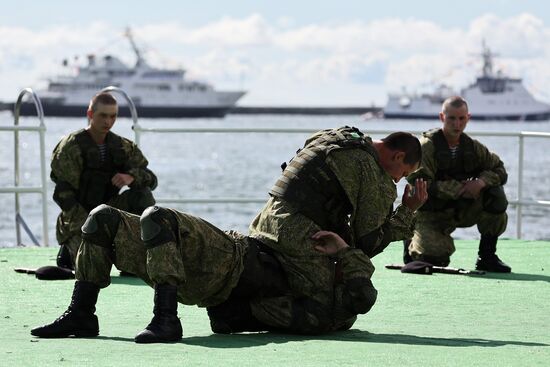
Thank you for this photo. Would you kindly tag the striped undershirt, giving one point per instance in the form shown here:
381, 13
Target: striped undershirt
454, 151
102, 152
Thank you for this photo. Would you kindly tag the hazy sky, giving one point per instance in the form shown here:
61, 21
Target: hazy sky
286, 52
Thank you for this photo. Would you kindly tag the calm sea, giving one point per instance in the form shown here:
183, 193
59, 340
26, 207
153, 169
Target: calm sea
214, 165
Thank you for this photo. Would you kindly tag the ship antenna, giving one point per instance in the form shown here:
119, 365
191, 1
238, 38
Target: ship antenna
130, 37
487, 60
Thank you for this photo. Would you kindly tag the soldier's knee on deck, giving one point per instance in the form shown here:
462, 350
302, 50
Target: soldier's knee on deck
442, 260
362, 300
369, 300
310, 317
101, 226
158, 226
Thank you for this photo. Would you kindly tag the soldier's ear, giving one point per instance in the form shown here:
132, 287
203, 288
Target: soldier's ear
399, 156
90, 114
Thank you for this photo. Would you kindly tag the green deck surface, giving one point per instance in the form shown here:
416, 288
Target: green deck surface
418, 320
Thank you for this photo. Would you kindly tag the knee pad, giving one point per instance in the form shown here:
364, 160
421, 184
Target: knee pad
361, 296
101, 226
158, 226
494, 200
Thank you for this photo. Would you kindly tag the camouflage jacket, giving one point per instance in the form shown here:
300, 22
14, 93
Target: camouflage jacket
373, 225
491, 170
67, 166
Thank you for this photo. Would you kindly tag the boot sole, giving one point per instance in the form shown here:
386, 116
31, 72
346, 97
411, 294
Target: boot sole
67, 335
151, 339
60, 336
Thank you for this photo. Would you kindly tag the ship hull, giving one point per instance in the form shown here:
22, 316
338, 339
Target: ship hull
57, 110
527, 117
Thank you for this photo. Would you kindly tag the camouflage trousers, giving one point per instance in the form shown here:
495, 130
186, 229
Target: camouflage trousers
311, 275
432, 235
69, 223
204, 262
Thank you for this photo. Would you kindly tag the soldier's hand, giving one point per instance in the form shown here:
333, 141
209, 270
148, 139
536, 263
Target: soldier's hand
328, 242
471, 189
415, 197
122, 179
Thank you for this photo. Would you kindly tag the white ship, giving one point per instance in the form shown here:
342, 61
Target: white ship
155, 92
492, 97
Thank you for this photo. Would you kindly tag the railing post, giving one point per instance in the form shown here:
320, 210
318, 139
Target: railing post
42, 129
16, 166
131, 106
519, 208
44, 179
137, 132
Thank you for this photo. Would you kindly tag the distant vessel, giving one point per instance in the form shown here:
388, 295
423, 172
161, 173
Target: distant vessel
155, 92
492, 97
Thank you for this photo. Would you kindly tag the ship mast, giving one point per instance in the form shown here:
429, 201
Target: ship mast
487, 55
130, 37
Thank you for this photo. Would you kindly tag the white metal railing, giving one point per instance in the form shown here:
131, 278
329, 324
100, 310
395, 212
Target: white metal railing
42, 189
138, 130
519, 202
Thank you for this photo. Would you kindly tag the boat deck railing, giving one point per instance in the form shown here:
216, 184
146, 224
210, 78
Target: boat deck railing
17, 189
520, 202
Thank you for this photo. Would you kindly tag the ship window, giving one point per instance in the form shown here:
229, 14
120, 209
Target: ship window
160, 74
57, 86
492, 85
163, 87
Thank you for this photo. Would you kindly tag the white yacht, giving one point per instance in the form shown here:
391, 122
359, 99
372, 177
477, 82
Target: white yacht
492, 97
155, 92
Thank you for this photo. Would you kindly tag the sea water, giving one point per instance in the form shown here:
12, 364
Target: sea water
245, 165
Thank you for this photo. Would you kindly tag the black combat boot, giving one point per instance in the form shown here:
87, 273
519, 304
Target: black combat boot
63, 259
165, 325
487, 258
406, 256
79, 319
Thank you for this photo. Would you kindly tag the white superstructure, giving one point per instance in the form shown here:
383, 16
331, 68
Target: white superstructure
155, 92
492, 97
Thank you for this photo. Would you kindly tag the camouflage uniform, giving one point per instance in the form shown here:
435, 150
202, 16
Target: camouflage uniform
332, 290
203, 262
76, 169
445, 210
241, 287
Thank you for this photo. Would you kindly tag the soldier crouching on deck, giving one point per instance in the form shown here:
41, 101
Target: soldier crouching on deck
466, 188
89, 167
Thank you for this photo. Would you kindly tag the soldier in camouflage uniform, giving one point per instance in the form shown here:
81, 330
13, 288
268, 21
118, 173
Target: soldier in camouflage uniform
465, 187
239, 278
186, 260
89, 167
343, 182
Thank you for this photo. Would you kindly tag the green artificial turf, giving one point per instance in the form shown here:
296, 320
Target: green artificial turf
418, 320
